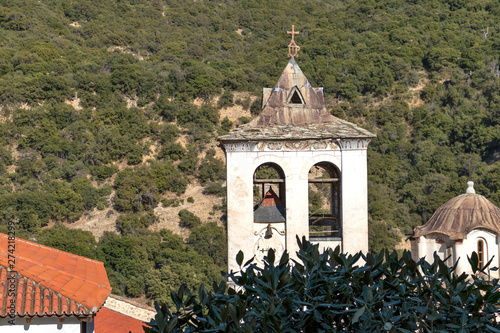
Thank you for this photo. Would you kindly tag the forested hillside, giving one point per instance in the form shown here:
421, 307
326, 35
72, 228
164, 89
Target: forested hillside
115, 105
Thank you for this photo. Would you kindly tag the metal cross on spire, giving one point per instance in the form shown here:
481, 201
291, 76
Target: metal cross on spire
470, 167
292, 45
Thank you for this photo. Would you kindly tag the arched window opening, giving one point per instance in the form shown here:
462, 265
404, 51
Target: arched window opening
269, 194
480, 252
324, 201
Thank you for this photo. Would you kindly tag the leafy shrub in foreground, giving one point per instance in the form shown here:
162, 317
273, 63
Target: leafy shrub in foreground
334, 292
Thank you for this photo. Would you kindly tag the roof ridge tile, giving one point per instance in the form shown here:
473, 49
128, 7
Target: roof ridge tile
50, 248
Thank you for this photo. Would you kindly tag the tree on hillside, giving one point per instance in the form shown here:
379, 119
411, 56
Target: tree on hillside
75, 241
89, 86
210, 239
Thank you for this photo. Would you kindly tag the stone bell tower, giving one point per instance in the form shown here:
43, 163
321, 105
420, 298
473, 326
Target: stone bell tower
295, 170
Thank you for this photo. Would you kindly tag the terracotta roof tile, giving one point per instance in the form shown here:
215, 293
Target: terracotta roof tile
48, 275
61, 280
71, 289
50, 281
109, 321
55, 302
28, 299
64, 305
72, 307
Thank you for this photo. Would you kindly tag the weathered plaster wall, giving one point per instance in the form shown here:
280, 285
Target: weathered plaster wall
490, 241
239, 206
242, 162
429, 244
354, 201
328, 244
126, 307
425, 246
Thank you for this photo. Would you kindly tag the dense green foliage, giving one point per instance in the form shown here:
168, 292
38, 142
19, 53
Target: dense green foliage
333, 292
70, 240
88, 87
188, 219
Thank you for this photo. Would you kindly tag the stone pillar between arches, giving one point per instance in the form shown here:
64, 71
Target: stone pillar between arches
297, 221
354, 201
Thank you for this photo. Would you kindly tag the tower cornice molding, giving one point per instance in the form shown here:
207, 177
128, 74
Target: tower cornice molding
296, 145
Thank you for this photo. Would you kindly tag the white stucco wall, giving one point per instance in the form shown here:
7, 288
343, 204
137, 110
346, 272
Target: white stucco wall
354, 201
429, 244
44, 325
469, 245
425, 246
242, 161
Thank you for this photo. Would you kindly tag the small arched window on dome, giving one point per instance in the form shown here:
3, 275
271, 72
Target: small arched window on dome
480, 253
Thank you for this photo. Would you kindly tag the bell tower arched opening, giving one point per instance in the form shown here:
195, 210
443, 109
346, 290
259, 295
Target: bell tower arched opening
324, 201
269, 210
268, 176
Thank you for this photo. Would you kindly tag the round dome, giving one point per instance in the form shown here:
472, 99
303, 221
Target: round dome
460, 215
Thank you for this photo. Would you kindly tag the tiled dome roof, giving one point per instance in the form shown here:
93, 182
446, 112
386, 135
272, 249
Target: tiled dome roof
462, 214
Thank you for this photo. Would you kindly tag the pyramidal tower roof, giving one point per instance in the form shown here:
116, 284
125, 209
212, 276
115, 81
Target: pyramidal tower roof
293, 101
293, 109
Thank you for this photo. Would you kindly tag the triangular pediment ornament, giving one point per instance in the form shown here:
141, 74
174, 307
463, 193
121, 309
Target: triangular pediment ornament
295, 97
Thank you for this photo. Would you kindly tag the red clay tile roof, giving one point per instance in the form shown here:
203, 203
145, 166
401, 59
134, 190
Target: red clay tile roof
109, 321
49, 281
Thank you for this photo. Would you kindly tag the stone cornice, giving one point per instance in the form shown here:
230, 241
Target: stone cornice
296, 145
